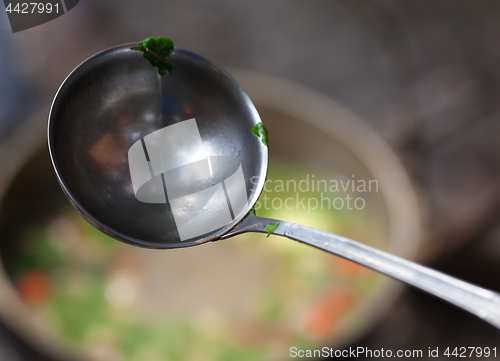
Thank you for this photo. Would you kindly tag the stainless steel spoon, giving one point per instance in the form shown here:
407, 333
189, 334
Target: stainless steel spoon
116, 99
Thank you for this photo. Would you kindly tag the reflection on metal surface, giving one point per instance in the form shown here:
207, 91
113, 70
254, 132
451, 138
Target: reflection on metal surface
171, 165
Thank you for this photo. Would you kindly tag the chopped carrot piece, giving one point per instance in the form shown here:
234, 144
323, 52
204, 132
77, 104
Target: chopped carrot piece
33, 287
322, 319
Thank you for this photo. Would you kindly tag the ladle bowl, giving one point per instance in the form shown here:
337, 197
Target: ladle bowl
116, 98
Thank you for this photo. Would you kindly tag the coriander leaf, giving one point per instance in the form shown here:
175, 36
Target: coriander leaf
156, 51
271, 229
253, 212
160, 45
260, 131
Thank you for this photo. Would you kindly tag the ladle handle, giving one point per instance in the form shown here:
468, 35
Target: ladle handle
478, 301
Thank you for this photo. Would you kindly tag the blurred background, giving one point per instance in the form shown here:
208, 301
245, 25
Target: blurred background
424, 75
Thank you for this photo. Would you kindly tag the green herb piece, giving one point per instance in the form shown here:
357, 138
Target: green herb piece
271, 229
156, 51
260, 131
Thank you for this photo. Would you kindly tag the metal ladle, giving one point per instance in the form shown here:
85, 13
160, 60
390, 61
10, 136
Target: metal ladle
116, 99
